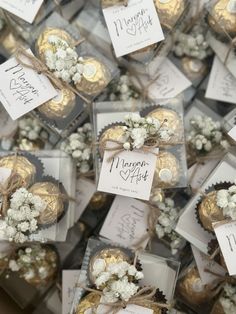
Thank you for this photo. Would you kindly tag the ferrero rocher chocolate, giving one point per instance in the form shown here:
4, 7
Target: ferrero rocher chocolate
22, 166
209, 212
95, 76
223, 19
169, 11
42, 44
115, 133
171, 119
98, 200
60, 106
167, 171
194, 68
51, 194
110, 255
145, 50
192, 290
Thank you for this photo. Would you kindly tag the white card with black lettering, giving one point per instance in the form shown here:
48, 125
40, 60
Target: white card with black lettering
222, 84
25, 9
226, 236
23, 89
126, 222
204, 263
133, 27
129, 173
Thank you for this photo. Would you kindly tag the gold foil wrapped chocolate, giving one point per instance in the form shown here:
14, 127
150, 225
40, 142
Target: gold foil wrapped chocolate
60, 106
194, 68
167, 171
42, 44
98, 200
95, 76
192, 290
51, 194
171, 119
114, 133
169, 12
209, 212
110, 255
222, 19
20, 165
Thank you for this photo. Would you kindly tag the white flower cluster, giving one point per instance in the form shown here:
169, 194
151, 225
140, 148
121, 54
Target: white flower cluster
31, 262
228, 300
167, 222
138, 130
226, 199
29, 128
78, 145
64, 61
116, 280
205, 134
193, 44
121, 89
21, 216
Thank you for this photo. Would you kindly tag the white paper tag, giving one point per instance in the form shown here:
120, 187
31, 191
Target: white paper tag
204, 262
23, 89
84, 192
4, 174
170, 81
133, 27
130, 309
25, 9
222, 84
126, 222
130, 173
69, 280
232, 133
226, 236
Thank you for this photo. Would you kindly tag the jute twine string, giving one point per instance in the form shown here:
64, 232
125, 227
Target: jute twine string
38, 66
107, 3
221, 280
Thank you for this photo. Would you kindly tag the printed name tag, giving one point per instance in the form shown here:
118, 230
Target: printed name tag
25, 9
23, 89
130, 173
133, 27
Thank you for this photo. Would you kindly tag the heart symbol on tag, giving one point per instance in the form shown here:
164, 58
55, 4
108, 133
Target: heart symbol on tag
131, 30
14, 84
125, 174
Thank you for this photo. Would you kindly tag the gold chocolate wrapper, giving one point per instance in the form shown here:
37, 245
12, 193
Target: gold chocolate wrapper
60, 106
115, 133
221, 20
194, 68
192, 290
110, 255
167, 171
22, 166
169, 11
92, 300
209, 212
49, 265
51, 194
98, 200
172, 122
95, 77
42, 44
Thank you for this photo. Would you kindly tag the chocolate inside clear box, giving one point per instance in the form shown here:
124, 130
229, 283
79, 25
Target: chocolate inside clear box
159, 272
108, 113
51, 176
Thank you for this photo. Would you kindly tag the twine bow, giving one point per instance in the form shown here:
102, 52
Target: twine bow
38, 66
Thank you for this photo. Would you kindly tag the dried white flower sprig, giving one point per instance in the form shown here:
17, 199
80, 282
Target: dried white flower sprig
20, 219
78, 145
193, 44
226, 199
118, 281
167, 221
138, 130
29, 128
228, 300
65, 62
121, 89
205, 134
31, 262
